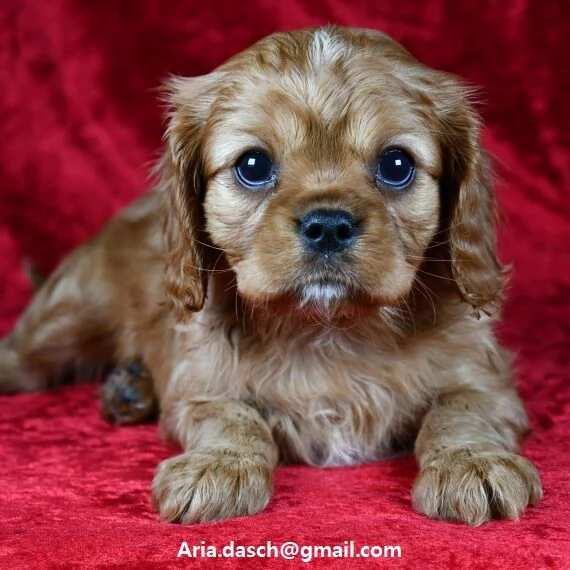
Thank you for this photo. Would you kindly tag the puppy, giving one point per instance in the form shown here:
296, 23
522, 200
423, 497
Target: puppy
314, 279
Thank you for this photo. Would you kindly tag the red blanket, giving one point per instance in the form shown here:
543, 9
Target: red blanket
79, 124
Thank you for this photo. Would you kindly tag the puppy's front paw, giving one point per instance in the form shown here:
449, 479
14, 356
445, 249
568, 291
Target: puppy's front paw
475, 487
211, 484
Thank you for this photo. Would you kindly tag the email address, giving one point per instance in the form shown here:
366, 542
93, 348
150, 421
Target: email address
289, 550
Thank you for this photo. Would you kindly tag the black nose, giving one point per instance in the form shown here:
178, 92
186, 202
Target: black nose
328, 231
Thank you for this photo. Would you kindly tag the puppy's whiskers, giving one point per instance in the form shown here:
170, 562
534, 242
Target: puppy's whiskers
208, 245
424, 272
426, 293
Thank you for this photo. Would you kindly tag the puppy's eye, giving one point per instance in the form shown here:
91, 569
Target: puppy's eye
254, 169
395, 169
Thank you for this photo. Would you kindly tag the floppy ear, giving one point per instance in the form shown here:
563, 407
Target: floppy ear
469, 207
182, 187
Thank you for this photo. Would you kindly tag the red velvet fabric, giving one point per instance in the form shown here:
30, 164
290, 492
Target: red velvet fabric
79, 124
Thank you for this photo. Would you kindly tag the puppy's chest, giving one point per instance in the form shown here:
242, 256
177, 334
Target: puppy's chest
330, 404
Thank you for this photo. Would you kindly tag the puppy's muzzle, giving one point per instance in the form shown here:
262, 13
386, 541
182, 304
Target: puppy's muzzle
327, 232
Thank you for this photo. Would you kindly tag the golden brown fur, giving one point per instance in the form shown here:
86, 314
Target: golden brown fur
257, 353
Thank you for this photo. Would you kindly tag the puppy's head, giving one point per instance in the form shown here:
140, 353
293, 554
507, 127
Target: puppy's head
326, 166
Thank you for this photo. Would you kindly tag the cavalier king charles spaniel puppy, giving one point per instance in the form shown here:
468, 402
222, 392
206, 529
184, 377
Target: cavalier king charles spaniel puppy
314, 279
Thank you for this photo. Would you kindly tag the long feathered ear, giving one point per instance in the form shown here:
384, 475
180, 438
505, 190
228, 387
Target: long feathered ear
469, 207
182, 187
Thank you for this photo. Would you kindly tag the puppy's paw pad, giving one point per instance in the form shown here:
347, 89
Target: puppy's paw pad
209, 485
475, 487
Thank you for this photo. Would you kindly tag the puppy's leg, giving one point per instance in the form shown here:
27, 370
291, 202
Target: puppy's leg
66, 324
468, 469
100, 306
226, 469
128, 395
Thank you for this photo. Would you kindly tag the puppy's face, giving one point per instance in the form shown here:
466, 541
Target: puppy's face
321, 167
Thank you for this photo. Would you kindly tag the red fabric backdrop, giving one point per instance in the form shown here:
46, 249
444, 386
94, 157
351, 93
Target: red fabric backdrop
79, 125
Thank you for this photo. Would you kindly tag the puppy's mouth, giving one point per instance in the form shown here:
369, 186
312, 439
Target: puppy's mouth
318, 294
320, 301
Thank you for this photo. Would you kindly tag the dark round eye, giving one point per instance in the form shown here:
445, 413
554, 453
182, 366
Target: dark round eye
254, 169
395, 169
